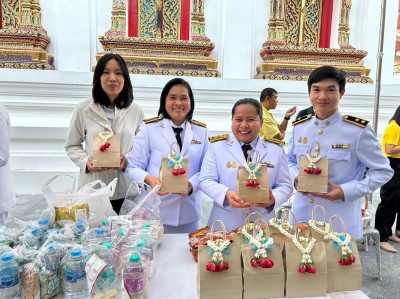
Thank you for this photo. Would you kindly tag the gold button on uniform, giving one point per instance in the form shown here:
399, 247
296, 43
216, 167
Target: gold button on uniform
320, 132
312, 201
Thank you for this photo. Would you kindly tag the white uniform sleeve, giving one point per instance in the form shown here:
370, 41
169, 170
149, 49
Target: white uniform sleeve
5, 137
292, 161
195, 179
282, 189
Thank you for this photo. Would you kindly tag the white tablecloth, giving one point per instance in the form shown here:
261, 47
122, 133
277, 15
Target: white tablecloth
176, 272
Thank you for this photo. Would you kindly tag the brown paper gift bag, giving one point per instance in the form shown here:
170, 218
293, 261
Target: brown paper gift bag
280, 228
222, 285
312, 182
110, 156
259, 282
257, 194
342, 277
247, 228
174, 183
319, 228
305, 284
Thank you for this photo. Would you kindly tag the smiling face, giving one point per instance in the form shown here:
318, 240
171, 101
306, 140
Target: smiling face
325, 96
112, 79
177, 103
246, 123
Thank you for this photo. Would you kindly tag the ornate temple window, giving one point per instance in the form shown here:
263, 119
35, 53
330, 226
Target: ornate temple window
162, 37
299, 40
23, 40
397, 51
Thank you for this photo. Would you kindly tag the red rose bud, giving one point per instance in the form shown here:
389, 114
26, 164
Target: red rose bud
221, 267
211, 267
175, 172
182, 171
266, 263
102, 148
254, 263
317, 171
302, 269
311, 269
352, 259
107, 145
256, 184
248, 183
226, 265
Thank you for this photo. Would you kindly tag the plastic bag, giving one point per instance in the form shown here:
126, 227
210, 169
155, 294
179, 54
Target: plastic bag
68, 206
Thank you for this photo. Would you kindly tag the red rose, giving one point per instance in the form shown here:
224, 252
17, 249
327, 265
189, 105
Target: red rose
266, 263
254, 263
256, 184
221, 267
175, 172
226, 265
211, 267
102, 148
248, 183
310, 269
182, 171
352, 259
302, 269
317, 171
107, 145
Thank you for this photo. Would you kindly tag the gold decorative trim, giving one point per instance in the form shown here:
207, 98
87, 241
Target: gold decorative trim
356, 120
199, 123
301, 119
153, 119
218, 137
276, 141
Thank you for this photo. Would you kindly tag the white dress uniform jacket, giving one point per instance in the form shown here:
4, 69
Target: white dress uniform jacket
87, 121
150, 146
350, 147
216, 178
7, 198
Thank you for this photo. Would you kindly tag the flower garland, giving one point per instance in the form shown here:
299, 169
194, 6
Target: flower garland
175, 161
314, 224
248, 235
312, 166
104, 137
343, 240
252, 168
218, 264
260, 255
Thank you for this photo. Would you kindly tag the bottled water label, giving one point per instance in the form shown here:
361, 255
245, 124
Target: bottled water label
8, 281
74, 277
94, 266
53, 283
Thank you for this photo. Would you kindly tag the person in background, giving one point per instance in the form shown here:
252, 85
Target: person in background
390, 192
112, 109
226, 153
180, 213
7, 198
350, 145
271, 128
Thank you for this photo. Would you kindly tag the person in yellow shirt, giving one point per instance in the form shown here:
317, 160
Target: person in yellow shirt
271, 128
390, 192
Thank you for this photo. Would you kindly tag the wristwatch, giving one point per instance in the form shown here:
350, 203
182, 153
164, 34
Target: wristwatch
287, 118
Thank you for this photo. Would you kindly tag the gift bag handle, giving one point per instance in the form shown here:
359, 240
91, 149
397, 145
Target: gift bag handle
331, 227
285, 219
281, 211
317, 146
259, 222
248, 218
212, 230
314, 213
310, 233
250, 155
171, 148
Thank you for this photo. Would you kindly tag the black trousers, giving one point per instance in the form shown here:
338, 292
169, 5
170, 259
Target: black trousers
117, 204
388, 207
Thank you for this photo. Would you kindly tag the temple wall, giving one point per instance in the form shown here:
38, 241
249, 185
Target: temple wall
40, 103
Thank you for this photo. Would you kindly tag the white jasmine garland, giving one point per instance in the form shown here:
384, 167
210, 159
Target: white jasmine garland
313, 159
314, 224
345, 244
218, 248
252, 172
306, 259
261, 248
105, 136
176, 162
248, 235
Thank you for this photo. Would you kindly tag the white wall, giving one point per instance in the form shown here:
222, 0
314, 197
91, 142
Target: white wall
40, 103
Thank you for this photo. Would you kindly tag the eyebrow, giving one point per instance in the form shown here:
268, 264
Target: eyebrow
318, 86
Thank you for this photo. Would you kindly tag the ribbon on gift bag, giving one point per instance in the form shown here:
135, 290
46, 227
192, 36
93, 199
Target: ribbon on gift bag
320, 228
242, 237
263, 271
305, 265
224, 284
252, 183
313, 171
344, 265
174, 171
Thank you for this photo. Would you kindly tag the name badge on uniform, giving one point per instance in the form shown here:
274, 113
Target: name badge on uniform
196, 141
268, 164
341, 145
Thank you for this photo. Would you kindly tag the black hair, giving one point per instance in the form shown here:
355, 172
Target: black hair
249, 101
125, 97
164, 93
267, 92
396, 116
327, 72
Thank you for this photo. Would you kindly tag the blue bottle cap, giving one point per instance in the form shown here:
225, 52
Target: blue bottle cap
34, 231
76, 252
43, 221
145, 225
135, 258
140, 243
53, 246
6, 257
122, 232
100, 231
55, 231
104, 222
80, 224
107, 244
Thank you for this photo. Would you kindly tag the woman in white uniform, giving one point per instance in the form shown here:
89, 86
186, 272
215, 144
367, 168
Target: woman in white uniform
180, 213
226, 153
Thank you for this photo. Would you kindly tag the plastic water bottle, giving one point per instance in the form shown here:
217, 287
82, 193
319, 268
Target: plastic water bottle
9, 279
134, 277
43, 230
75, 275
53, 257
149, 259
99, 233
105, 224
32, 239
80, 228
54, 231
108, 256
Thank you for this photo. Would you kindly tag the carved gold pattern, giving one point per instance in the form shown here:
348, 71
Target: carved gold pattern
198, 21
344, 34
10, 11
149, 18
171, 19
118, 19
24, 46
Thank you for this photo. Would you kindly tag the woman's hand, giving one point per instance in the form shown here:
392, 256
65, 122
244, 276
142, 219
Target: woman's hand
235, 201
90, 167
153, 181
122, 164
335, 194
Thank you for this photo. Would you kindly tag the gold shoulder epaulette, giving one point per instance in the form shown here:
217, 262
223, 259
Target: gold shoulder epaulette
356, 120
274, 140
301, 119
218, 137
153, 119
199, 123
